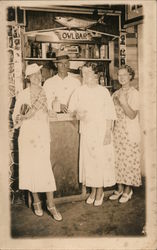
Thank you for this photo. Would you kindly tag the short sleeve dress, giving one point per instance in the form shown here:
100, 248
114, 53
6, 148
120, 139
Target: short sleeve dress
96, 162
35, 171
126, 137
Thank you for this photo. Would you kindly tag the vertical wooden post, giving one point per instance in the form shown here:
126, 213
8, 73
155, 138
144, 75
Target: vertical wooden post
29, 200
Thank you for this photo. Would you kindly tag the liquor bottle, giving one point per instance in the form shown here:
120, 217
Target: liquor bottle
90, 52
96, 52
33, 51
44, 48
27, 50
36, 50
82, 51
102, 51
87, 51
50, 53
56, 105
39, 51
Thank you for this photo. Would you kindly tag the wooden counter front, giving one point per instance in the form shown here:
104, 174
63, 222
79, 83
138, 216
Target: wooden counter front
64, 154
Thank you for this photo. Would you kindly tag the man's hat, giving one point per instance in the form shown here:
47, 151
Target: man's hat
61, 55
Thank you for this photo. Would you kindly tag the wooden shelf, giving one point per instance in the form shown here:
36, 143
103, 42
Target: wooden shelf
71, 59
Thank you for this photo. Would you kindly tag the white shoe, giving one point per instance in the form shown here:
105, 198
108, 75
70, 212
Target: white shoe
55, 213
90, 200
38, 209
99, 202
115, 195
125, 197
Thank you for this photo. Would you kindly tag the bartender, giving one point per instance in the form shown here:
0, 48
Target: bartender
61, 86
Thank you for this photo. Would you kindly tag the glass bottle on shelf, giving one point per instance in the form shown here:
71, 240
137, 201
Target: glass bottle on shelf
82, 51
96, 52
91, 51
87, 51
36, 50
44, 49
33, 52
27, 50
102, 51
39, 51
50, 53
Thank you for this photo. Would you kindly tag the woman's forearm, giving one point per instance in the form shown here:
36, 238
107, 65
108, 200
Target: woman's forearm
129, 111
29, 114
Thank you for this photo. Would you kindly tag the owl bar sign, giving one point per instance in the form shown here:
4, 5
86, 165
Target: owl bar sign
74, 35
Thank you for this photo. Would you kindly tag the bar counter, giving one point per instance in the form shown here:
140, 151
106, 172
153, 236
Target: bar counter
64, 154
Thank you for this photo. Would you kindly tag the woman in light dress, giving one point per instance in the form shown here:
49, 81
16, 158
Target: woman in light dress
126, 134
31, 115
93, 105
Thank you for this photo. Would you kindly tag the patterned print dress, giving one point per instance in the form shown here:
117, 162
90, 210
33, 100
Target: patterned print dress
126, 144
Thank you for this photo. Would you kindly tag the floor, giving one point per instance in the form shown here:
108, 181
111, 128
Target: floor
82, 220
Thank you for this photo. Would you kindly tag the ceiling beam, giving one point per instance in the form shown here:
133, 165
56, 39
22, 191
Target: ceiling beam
74, 10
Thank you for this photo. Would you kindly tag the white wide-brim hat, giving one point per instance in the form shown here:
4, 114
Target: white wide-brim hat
32, 68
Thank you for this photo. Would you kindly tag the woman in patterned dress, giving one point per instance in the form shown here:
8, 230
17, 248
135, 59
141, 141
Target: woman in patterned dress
126, 137
95, 110
31, 115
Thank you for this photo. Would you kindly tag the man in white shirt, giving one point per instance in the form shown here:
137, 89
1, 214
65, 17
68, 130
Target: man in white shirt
61, 85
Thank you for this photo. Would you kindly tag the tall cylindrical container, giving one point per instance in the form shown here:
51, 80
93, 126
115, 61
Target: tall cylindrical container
44, 50
102, 52
96, 52
87, 51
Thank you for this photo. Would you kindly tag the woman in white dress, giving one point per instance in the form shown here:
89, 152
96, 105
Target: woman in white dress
93, 105
31, 115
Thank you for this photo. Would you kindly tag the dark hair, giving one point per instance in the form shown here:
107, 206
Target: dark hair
130, 71
94, 66
49, 65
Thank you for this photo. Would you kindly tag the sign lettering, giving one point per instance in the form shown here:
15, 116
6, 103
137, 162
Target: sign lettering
73, 35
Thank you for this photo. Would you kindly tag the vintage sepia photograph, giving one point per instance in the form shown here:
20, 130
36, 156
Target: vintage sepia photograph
78, 147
